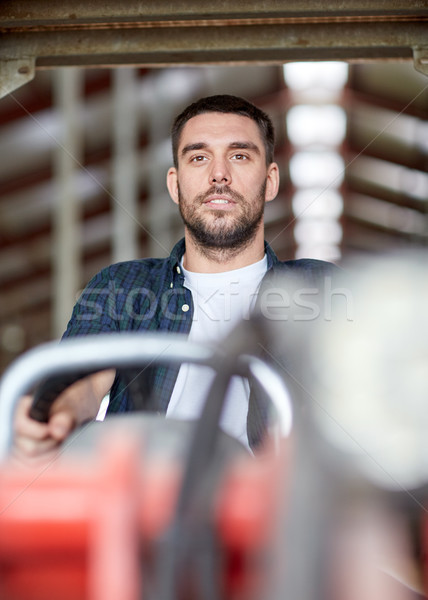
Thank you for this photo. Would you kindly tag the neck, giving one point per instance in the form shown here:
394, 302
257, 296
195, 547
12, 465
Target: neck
200, 259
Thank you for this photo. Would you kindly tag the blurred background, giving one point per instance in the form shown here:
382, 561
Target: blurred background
84, 154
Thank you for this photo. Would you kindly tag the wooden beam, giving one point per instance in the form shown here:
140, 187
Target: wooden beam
72, 12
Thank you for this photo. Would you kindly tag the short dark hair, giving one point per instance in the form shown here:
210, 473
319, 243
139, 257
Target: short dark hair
224, 103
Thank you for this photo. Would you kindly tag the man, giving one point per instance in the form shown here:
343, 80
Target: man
222, 176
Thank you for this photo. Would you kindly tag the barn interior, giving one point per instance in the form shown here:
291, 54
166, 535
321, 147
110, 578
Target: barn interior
89, 91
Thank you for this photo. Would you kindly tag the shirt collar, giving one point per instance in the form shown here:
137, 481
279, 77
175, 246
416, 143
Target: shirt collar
272, 259
177, 254
179, 249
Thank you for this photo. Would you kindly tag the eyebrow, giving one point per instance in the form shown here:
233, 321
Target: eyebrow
233, 145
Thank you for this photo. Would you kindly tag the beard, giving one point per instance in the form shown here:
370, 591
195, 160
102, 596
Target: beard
220, 230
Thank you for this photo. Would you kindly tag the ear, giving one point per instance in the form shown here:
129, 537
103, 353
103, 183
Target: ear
272, 182
172, 184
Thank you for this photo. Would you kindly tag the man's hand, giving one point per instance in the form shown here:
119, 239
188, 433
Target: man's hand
36, 442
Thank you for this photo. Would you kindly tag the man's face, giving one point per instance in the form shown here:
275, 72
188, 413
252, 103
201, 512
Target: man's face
222, 181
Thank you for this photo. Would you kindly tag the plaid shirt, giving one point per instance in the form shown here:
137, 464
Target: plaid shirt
149, 295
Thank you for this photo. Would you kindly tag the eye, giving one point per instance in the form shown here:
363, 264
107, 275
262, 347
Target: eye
239, 157
198, 158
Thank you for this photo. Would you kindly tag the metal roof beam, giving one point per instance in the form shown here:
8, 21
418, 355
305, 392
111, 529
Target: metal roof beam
108, 33
216, 44
72, 12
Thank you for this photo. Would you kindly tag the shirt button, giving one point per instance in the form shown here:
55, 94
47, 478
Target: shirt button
185, 307
178, 270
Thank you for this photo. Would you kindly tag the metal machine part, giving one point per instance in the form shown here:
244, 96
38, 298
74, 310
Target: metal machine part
124, 509
104, 351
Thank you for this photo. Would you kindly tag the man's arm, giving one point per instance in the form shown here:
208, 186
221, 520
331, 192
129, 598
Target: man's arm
35, 442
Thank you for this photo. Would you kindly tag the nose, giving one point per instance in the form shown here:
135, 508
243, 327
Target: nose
219, 173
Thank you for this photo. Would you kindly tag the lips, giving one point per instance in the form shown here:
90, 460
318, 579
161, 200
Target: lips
219, 199
222, 203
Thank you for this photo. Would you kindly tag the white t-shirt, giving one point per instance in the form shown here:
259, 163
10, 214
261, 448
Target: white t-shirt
221, 301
